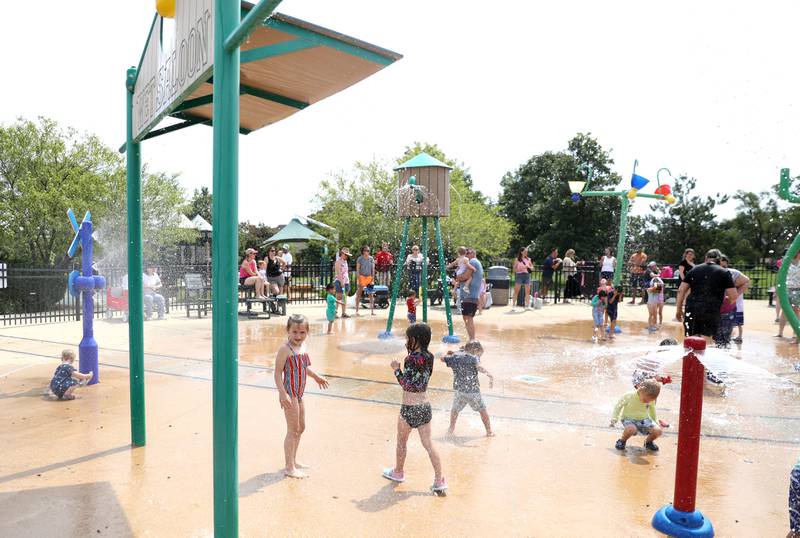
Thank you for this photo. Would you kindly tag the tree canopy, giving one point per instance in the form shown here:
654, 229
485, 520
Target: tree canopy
46, 169
362, 205
536, 198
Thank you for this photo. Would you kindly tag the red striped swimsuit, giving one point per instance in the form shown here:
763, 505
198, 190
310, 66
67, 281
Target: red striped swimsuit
294, 373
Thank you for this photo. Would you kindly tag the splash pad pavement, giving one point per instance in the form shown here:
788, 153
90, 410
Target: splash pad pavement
550, 471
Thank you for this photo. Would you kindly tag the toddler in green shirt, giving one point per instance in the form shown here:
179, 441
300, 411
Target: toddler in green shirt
637, 410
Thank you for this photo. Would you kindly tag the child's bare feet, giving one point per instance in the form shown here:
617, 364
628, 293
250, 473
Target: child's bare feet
299, 465
294, 473
490, 433
449, 432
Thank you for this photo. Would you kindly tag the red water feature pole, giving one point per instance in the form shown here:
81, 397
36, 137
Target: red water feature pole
689, 426
681, 519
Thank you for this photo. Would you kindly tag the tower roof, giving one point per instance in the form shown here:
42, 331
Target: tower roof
421, 160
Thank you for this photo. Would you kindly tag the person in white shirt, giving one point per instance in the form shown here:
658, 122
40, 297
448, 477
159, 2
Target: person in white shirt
151, 283
608, 265
287, 269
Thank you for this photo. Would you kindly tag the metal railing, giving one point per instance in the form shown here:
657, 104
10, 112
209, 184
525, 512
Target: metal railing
39, 295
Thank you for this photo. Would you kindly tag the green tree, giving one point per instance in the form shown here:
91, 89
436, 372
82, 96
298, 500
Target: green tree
162, 198
536, 198
199, 204
760, 229
689, 223
362, 206
44, 170
253, 236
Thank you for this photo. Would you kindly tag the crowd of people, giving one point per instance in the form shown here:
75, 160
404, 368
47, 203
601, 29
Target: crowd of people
709, 303
268, 276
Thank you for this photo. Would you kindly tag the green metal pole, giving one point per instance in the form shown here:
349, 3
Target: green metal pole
450, 338
783, 292
425, 269
623, 235
135, 291
397, 275
224, 290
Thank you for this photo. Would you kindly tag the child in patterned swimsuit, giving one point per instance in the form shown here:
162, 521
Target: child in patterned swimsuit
66, 378
292, 366
415, 413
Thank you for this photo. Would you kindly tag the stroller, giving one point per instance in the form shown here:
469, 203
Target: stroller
381, 294
117, 301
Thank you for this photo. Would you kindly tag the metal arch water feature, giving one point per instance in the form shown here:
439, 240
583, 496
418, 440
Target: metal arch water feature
783, 292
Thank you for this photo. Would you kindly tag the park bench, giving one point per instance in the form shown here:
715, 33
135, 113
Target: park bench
196, 294
271, 305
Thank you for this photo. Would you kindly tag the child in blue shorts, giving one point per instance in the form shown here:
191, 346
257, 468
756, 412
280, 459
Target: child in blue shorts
330, 309
66, 378
599, 303
637, 410
614, 298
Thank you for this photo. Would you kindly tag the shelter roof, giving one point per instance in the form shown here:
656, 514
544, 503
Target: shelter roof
423, 159
295, 231
201, 224
287, 64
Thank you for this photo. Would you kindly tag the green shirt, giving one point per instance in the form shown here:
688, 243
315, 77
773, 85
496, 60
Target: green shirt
631, 407
331, 300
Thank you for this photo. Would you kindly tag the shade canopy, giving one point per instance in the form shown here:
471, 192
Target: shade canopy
286, 65
201, 224
295, 231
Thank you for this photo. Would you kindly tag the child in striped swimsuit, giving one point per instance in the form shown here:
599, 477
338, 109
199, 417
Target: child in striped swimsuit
415, 412
292, 367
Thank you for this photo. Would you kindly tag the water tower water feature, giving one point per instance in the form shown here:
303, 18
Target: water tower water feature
423, 191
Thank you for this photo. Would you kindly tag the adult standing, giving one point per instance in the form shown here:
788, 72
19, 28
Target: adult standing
248, 273
287, 258
551, 264
742, 282
151, 283
383, 265
706, 286
522, 277
275, 266
637, 265
365, 271
686, 265
608, 264
414, 267
342, 282
793, 289
572, 288
472, 293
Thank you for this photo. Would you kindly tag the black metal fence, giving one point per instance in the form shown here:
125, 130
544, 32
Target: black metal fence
39, 295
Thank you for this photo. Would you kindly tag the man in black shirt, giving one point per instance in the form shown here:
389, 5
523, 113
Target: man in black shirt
550, 265
706, 286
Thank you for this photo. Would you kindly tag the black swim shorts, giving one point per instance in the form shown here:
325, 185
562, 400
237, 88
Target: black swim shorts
701, 323
468, 309
416, 415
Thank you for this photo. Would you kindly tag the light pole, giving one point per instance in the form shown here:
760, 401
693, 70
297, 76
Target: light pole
662, 192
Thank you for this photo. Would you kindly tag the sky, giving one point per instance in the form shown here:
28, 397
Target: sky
703, 88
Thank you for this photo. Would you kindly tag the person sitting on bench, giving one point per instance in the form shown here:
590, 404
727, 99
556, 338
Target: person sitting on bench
248, 275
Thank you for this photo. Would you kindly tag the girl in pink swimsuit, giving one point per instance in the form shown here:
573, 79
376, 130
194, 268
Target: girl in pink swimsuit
292, 367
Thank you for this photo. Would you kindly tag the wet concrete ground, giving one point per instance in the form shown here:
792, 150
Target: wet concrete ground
551, 471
